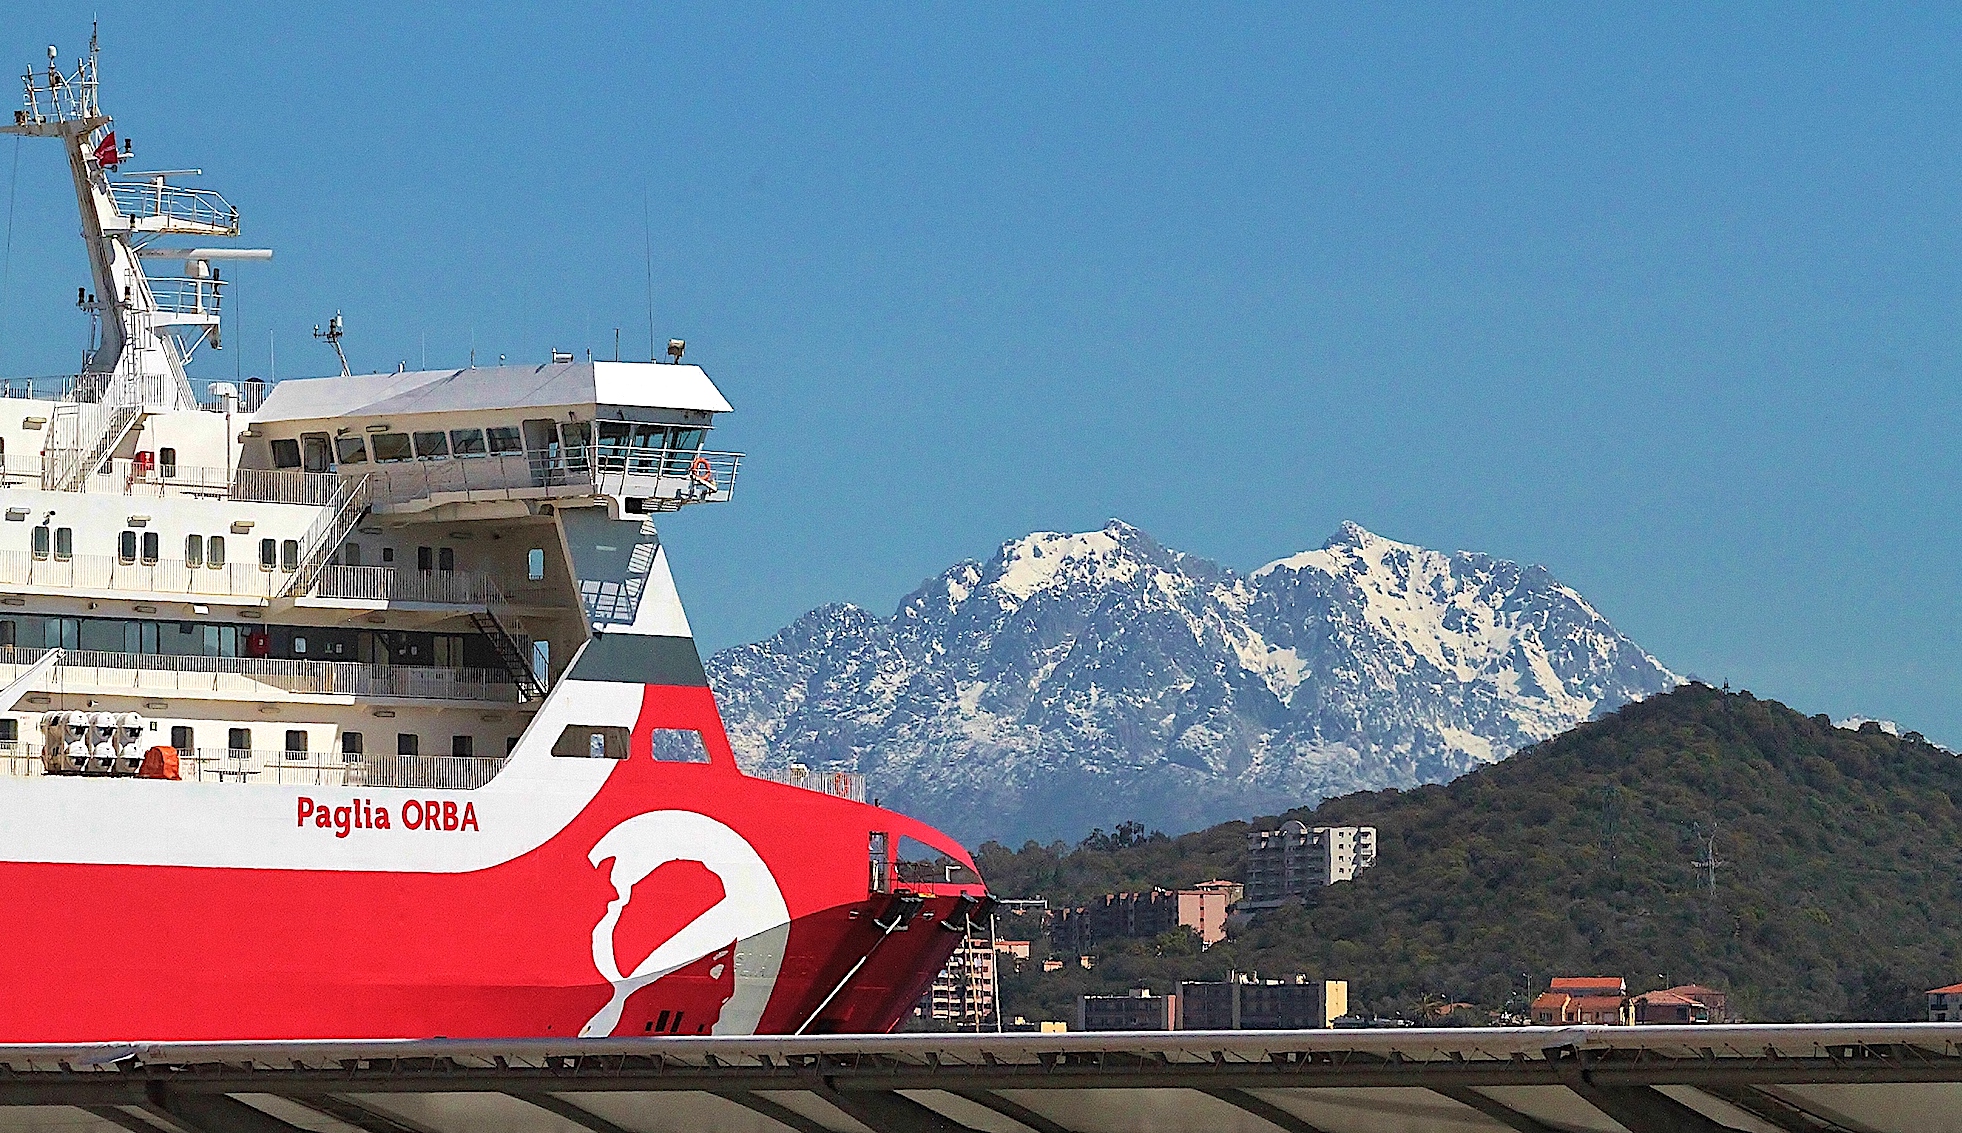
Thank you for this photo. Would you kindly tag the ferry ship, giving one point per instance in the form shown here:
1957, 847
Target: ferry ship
364, 706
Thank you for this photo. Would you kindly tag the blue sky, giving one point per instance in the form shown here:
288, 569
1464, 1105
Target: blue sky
1667, 303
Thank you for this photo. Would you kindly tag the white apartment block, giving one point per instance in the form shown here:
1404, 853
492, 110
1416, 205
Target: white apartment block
1293, 861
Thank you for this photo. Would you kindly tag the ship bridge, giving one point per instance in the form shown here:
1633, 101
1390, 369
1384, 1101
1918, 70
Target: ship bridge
634, 433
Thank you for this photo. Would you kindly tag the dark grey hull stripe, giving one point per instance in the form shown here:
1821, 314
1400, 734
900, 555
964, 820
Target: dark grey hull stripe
631, 658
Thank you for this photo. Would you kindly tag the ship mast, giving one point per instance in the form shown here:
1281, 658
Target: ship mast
148, 328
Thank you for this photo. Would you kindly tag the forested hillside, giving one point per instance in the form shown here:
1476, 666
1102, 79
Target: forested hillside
1836, 892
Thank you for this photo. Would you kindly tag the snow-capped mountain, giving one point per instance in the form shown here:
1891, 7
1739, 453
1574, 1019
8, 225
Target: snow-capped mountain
1080, 680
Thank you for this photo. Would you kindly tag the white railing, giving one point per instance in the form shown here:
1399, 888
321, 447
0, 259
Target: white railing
165, 576
250, 677
152, 480
323, 540
390, 584
187, 295
667, 478
251, 395
297, 768
197, 210
841, 784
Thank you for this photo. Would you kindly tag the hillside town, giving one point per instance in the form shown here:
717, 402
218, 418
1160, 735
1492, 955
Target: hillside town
1286, 865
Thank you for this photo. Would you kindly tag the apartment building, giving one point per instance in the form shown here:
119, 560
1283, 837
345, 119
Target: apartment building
1245, 1002
1294, 861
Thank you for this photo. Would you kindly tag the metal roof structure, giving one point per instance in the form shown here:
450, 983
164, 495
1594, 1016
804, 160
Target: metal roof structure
547, 386
1782, 1078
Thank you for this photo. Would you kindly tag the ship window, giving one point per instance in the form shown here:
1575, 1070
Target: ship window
390, 448
238, 739
592, 741
64, 542
351, 450
151, 545
681, 449
296, 743
7, 633
679, 745
289, 554
194, 550
41, 535
214, 551
351, 554
425, 558
463, 747
448, 651
434, 445
316, 453
505, 438
268, 554
541, 661
299, 646
446, 558
182, 738
535, 564
350, 746
467, 442
388, 554
407, 743
167, 462
126, 547
286, 454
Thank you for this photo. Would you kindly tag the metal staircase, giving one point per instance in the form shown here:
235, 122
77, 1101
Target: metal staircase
94, 431
338, 517
508, 650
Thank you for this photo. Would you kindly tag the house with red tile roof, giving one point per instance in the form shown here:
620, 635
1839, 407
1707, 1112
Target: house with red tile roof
1945, 1004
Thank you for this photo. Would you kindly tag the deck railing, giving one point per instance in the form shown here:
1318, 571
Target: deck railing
296, 768
841, 784
392, 584
164, 576
665, 478
148, 673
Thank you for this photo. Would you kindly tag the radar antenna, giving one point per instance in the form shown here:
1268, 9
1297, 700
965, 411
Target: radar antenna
332, 335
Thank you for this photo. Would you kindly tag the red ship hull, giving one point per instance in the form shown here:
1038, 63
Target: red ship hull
678, 899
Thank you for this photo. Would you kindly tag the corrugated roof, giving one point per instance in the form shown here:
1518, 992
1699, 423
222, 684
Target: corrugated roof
553, 385
1877, 1077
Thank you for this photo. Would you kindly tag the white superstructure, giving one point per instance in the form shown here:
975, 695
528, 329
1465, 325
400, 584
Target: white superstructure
367, 578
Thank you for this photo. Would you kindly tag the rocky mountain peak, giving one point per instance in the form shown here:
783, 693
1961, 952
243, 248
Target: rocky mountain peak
1074, 679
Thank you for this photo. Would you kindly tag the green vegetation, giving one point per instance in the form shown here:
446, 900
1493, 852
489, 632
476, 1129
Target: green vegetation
1836, 896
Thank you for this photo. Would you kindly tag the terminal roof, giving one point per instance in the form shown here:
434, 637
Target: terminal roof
553, 385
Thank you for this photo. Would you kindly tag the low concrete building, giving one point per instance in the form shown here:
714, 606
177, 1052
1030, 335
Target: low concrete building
1144, 915
1294, 861
1600, 1000
1945, 1004
1245, 1002
1137, 1010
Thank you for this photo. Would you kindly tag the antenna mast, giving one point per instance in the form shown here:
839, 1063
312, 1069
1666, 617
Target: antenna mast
332, 335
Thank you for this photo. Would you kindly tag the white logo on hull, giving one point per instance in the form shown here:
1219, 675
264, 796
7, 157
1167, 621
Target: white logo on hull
751, 913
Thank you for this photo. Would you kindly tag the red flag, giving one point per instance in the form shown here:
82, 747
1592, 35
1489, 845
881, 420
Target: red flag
105, 151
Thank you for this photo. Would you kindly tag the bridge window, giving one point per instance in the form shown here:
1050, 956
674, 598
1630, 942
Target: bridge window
351, 450
390, 448
316, 452
194, 550
679, 745
592, 741
505, 438
434, 445
467, 442
286, 454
